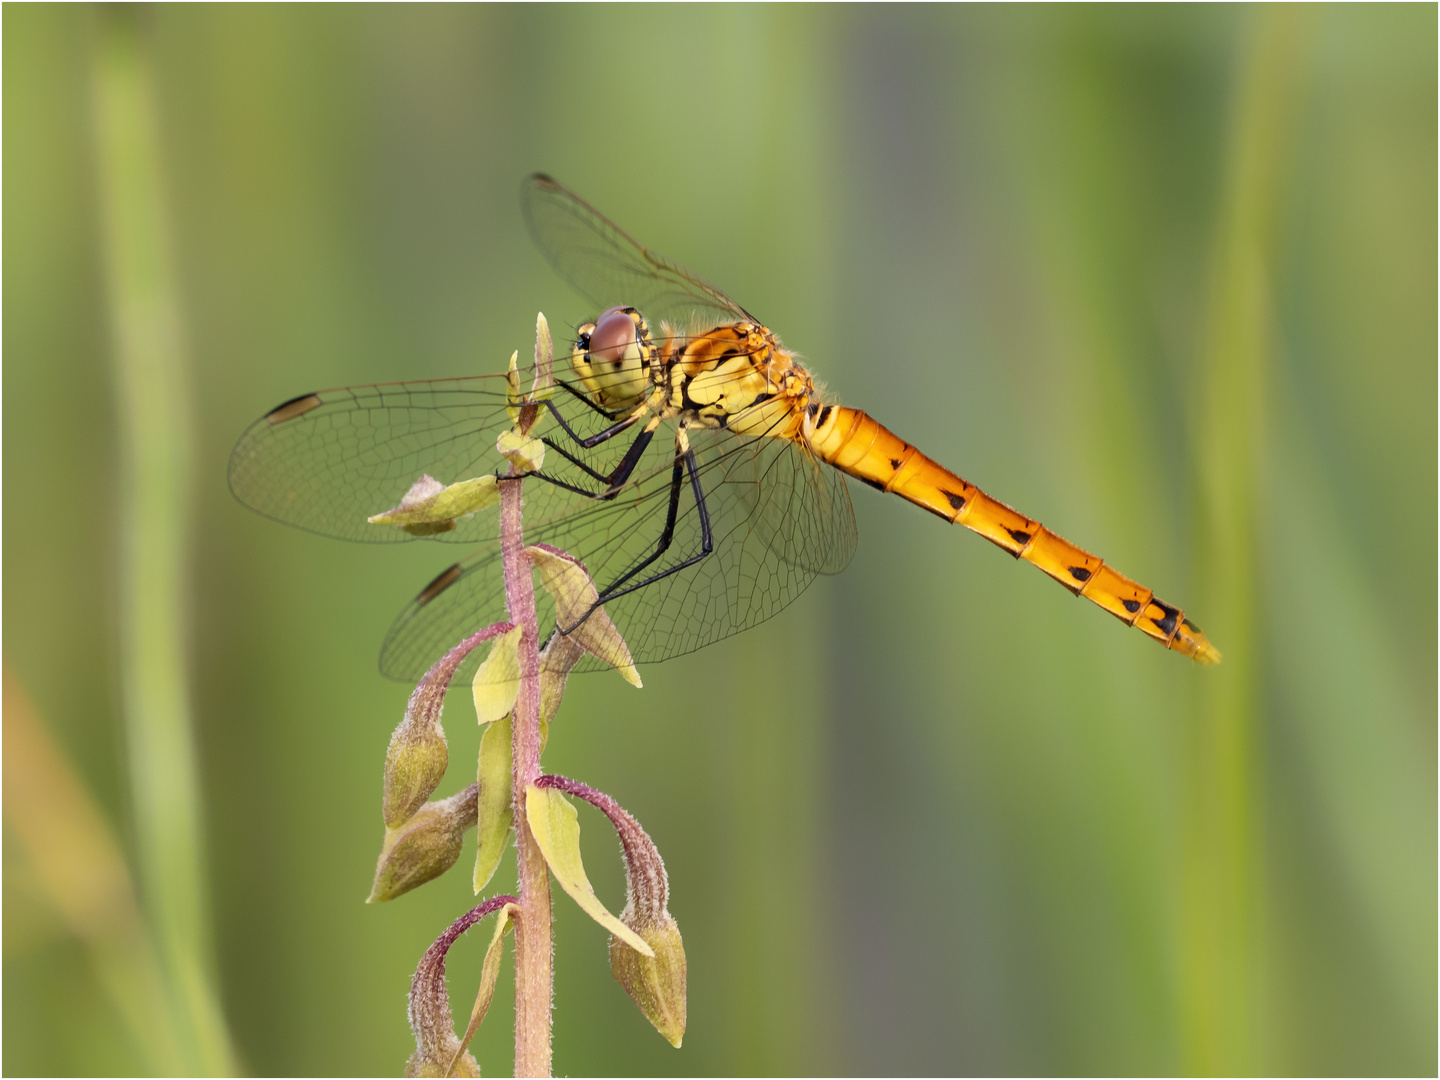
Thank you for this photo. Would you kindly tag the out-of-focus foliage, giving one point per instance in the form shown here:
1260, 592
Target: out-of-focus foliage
1163, 278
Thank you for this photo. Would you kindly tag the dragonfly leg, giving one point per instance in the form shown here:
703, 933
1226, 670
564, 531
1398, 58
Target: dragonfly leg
617, 476
586, 400
667, 534
618, 588
591, 441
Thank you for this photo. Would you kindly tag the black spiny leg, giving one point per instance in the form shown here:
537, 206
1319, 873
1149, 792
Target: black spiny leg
666, 535
588, 402
617, 476
591, 441
707, 541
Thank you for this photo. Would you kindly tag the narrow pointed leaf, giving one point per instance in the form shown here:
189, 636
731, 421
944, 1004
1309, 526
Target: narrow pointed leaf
512, 398
569, 584
496, 810
557, 831
489, 972
497, 680
544, 360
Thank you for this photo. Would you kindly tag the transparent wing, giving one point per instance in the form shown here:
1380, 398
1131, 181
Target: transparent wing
326, 462
606, 265
777, 518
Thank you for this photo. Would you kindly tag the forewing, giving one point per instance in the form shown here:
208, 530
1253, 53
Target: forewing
607, 266
326, 462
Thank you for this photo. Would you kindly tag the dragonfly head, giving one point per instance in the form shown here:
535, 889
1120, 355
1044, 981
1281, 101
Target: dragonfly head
613, 356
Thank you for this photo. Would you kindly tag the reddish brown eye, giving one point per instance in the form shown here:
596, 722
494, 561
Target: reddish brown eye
613, 336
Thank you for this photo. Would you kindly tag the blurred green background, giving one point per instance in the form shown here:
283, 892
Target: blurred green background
1163, 278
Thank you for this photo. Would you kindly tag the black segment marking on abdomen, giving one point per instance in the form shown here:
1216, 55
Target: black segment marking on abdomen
1131, 606
1166, 624
1079, 573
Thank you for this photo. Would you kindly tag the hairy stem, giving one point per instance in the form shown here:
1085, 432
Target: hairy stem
533, 935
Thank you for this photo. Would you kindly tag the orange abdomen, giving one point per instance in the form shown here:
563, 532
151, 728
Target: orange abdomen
865, 449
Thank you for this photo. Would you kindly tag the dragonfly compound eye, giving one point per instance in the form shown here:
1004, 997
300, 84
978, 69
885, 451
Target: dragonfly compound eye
611, 358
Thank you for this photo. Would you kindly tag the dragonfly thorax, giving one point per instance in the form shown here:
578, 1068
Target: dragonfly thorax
740, 378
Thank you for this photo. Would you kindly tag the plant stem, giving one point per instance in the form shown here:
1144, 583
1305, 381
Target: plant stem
533, 934
155, 452
1223, 996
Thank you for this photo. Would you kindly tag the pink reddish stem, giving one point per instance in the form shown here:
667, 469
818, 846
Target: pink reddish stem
534, 976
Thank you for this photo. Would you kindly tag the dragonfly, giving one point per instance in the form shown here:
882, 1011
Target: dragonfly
691, 464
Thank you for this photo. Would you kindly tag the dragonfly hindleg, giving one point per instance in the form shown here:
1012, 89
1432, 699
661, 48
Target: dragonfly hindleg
684, 464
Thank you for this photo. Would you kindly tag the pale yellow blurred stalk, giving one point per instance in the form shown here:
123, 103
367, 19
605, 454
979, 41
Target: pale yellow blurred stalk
76, 863
153, 414
1223, 944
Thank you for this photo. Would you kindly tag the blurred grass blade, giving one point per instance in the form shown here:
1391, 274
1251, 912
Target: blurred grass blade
1222, 983
78, 866
153, 412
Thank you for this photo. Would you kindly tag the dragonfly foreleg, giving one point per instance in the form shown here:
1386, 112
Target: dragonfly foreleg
589, 402
589, 442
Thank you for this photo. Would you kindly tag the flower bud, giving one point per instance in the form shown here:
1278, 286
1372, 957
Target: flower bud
431, 1021
414, 766
416, 760
523, 452
656, 984
425, 846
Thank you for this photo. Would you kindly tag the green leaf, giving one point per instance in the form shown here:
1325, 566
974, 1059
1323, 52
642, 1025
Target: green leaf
489, 972
556, 829
569, 585
496, 810
544, 381
497, 680
522, 451
512, 397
